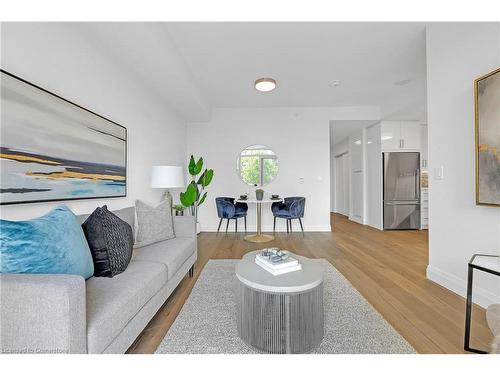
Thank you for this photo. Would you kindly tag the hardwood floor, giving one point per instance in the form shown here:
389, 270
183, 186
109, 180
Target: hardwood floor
387, 268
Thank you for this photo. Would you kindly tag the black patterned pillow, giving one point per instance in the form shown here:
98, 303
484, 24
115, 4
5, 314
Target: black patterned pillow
111, 241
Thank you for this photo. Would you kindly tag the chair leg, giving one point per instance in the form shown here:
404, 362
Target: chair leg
274, 225
291, 231
191, 271
220, 222
245, 224
301, 226
227, 224
236, 225
287, 225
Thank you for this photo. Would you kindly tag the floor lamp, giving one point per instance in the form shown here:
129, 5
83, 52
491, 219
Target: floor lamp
167, 177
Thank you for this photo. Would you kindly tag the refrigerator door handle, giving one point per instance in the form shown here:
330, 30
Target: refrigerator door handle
401, 203
417, 184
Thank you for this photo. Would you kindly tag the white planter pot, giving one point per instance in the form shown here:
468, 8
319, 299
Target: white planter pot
198, 227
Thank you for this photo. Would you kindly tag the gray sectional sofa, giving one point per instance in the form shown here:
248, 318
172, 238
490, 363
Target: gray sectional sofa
67, 314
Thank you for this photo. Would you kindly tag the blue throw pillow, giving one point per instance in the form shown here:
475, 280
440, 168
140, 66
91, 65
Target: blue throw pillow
53, 243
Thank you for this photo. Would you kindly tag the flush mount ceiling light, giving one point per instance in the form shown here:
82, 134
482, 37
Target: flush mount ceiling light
402, 82
334, 83
265, 84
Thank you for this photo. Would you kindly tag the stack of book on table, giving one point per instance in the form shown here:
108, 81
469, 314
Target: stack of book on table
278, 268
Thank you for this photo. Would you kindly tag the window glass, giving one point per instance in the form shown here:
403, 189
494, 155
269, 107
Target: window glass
257, 165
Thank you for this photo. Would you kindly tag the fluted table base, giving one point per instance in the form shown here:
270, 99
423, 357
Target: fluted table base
280, 322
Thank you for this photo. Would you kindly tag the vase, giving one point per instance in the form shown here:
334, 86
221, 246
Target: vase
259, 194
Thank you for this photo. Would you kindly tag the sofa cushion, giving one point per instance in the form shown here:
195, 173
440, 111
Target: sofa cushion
113, 302
52, 243
126, 214
154, 224
172, 253
110, 240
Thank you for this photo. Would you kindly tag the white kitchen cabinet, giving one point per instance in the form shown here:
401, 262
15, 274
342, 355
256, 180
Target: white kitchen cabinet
390, 135
424, 208
401, 135
411, 133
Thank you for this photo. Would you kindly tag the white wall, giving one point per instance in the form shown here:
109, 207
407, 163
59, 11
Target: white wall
457, 53
65, 62
299, 137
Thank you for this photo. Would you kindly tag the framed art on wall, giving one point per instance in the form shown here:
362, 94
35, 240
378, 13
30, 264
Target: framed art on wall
487, 123
53, 149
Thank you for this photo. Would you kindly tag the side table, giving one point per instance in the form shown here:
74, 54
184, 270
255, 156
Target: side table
481, 262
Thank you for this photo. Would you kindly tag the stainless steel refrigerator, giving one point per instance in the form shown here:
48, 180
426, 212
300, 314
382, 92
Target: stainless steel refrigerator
401, 190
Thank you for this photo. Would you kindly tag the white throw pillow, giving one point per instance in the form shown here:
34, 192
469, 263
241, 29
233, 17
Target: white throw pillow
154, 224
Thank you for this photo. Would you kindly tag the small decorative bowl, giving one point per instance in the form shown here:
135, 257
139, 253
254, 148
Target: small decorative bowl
275, 196
243, 196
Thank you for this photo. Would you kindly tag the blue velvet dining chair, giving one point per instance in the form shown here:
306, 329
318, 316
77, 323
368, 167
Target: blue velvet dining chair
291, 208
228, 209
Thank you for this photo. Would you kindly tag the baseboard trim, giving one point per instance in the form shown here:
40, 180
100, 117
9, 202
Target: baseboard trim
481, 296
267, 228
357, 219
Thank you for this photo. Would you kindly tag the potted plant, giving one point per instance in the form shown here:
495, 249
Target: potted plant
195, 193
179, 209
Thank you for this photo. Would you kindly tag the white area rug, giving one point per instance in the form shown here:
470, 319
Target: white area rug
207, 321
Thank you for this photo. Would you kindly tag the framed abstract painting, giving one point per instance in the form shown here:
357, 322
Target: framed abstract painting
54, 150
487, 119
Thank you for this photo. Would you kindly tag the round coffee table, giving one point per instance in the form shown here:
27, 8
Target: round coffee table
280, 314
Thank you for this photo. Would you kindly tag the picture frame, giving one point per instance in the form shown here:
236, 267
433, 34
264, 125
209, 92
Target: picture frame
487, 145
89, 162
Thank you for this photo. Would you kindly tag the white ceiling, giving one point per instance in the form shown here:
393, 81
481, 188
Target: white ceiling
147, 52
194, 67
226, 58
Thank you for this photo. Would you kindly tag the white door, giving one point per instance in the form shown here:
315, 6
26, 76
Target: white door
390, 135
357, 197
345, 159
339, 185
356, 151
411, 134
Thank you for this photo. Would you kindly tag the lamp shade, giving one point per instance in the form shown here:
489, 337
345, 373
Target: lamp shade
167, 177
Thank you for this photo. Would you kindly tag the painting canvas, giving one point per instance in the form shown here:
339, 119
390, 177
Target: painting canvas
52, 149
487, 103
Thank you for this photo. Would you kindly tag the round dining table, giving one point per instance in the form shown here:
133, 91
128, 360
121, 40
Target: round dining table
259, 236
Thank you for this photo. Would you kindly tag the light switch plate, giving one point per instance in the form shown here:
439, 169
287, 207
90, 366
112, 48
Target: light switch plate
439, 173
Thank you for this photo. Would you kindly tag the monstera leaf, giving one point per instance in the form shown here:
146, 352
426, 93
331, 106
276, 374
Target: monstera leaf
190, 196
206, 178
195, 167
